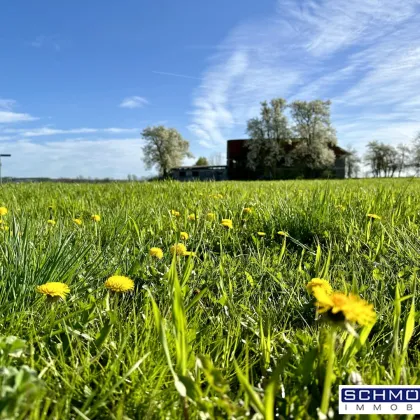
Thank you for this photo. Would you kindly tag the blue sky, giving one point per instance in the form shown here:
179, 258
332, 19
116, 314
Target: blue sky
80, 80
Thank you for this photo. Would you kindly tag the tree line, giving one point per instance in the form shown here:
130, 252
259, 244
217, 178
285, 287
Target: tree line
385, 160
298, 135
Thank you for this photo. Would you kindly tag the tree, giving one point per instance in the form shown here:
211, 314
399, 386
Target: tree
269, 135
165, 148
372, 158
403, 157
313, 134
202, 161
382, 158
352, 163
216, 159
415, 158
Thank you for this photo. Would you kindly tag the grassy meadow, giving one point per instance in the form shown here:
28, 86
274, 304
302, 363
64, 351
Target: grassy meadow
230, 331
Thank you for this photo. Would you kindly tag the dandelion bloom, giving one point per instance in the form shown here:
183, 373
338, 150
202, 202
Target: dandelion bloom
96, 217
175, 213
373, 216
247, 210
77, 221
178, 249
227, 223
323, 284
341, 307
51, 222
4, 227
211, 216
3, 211
192, 217
184, 236
156, 252
119, 284
281, 233
261, 233
54, 289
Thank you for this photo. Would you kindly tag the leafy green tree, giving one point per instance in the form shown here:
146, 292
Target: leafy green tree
202, 161
164, 148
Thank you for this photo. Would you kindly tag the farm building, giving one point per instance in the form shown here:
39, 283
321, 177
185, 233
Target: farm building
237, 168
200, 173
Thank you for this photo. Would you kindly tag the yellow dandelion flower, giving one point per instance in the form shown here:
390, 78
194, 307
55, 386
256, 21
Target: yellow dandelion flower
211, 216
281, 233
4, 227
373, 216
261, 233
3, 211
51, 222
192, 217
175, 213
247, 210
340, 307
184, 236
96, 217
323, 284
78, 222
119, 284
227, 223
178, 249
156, 252
54, 289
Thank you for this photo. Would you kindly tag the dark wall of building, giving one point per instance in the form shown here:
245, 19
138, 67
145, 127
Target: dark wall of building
237, 153
199, 174
340, 167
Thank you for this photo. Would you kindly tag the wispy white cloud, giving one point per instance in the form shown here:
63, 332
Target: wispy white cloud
363, 56
184, 76
133, 102
7, 117
97, 158
48, 131
44, 41
7, 104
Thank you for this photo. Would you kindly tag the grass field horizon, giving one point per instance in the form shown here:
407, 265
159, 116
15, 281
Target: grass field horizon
229, 331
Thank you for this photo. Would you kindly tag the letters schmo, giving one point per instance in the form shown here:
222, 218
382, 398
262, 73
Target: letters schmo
379, 399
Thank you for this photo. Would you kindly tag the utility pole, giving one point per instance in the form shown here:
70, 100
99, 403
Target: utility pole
2, 155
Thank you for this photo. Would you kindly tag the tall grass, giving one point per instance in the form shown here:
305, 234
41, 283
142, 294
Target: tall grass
229, 333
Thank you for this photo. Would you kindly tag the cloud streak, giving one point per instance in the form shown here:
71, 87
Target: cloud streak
97, 158
363, 56
44, 41
133, 102
48, 131
9, 117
